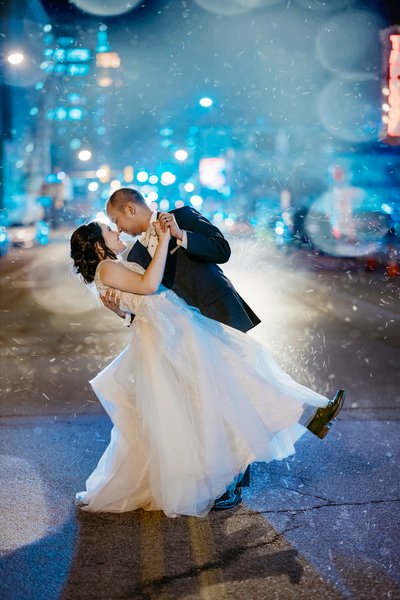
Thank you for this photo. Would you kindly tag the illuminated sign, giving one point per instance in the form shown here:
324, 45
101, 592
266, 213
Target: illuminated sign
60, 69
108, 60
391, 86
65, 41
65, 114
59, 55
102, 42
74, 70
73, 55
394, 87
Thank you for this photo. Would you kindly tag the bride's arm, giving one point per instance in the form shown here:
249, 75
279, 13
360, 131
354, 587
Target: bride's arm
119, 277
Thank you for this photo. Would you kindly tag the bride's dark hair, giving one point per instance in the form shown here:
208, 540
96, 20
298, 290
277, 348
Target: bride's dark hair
86, 243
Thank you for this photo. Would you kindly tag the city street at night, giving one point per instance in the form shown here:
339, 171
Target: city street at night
224, 175
322, 522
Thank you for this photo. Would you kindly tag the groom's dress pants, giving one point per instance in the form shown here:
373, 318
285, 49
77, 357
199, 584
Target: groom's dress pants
245, 480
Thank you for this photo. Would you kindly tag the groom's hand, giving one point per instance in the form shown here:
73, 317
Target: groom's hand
111, 300
168, 220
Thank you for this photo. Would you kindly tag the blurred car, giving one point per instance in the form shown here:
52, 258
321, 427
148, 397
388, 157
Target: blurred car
25, 210
352, 223
21, 236
348, 223
27, 237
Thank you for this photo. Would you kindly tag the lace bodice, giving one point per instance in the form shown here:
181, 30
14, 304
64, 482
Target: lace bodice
128, 302
162, 306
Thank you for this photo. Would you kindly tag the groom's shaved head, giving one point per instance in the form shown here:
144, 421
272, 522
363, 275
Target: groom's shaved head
120, 198
127, 209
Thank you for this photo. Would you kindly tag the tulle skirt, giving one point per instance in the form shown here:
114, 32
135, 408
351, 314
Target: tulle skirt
193, 403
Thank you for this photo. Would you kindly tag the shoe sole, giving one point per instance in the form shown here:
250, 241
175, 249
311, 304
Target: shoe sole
226, 507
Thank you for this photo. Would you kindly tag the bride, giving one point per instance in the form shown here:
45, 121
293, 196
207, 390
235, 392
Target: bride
193, 402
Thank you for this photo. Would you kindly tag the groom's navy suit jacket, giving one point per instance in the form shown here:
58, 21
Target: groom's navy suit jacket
194, 275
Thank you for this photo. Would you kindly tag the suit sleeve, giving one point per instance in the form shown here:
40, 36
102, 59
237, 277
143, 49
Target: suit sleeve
205, 241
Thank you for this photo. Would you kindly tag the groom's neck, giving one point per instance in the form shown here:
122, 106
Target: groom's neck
146, 218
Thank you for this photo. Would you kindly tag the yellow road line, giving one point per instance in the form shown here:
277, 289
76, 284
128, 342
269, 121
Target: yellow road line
212, 586
152, 550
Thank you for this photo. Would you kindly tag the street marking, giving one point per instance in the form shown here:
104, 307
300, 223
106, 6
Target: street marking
152, 550
212, 585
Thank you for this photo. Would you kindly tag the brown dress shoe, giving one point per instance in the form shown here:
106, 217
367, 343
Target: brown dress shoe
321, 422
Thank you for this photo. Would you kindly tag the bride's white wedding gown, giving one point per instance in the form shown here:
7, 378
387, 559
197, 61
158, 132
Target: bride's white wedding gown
193, 403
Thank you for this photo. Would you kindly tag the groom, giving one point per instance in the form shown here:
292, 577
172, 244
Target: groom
191, 271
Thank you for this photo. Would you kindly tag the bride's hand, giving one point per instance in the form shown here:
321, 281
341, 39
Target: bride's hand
161, 233
111, 300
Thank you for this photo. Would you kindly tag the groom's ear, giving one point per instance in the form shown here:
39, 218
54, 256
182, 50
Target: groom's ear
131, 208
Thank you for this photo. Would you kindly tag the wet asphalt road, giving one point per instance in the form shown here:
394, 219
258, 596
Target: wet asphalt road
324, 522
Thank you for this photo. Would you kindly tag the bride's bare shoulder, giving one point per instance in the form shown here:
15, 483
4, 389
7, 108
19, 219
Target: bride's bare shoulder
110, 265
114, 273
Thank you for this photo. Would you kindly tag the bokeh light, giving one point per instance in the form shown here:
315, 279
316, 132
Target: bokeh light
164, 204
22, 70
233, 7
206, 102
75, 143
15, 58
142, 176
347, 221
101, 217
324, 5
168, 178
350, 110
106, 9
349, 43
84, 155
196, 201
181, 155
152, 196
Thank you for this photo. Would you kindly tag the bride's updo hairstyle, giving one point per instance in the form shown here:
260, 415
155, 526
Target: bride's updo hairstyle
86, 243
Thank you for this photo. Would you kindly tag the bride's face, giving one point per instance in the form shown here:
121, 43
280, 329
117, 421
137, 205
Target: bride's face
111, 238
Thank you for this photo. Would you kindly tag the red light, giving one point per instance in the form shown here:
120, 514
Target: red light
393, 127
391, 85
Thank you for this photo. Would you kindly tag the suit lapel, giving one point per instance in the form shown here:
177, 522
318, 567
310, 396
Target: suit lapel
139, 255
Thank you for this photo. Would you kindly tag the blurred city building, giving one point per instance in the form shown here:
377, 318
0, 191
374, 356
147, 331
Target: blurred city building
155, 97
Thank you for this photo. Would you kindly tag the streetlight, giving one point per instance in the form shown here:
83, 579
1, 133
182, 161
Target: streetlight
205, 102
181, 155
84, 155
15, 58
